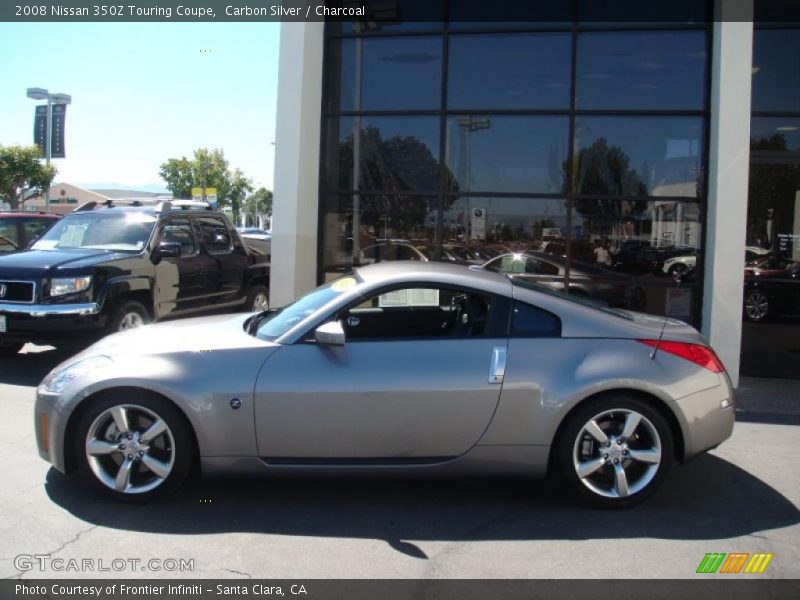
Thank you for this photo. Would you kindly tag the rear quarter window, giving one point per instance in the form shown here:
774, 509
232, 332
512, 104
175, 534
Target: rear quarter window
530, 321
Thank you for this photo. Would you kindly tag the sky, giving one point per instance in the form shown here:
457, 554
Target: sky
143, 93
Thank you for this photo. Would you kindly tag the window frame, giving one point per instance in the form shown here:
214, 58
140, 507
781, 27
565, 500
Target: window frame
192, 230
197, 219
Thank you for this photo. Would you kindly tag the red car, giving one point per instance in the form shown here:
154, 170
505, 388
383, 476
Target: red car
18, 229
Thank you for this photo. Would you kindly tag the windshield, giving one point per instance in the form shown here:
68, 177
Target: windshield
119, 231
273, 324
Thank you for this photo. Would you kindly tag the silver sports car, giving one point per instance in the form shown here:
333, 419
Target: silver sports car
400, 366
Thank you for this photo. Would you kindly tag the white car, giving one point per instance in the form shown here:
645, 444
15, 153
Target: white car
678, 266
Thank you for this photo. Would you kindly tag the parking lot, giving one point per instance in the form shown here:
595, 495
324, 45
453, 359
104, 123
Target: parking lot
743, 497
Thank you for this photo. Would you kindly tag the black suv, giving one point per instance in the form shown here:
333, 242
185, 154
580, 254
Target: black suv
106, 268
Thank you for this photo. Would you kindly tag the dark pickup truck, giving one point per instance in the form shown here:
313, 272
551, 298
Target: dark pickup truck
106, 268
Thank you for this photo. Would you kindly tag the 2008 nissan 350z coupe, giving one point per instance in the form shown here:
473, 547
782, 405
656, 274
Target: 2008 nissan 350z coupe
400, 366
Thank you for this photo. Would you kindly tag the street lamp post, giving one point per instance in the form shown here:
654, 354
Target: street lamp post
43, 94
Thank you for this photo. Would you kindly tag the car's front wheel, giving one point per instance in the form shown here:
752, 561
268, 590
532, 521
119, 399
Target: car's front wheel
678, 272
133, 446
128, 314
615, 452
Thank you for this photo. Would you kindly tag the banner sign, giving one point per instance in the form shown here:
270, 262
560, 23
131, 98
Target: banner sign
40, 128
56, 132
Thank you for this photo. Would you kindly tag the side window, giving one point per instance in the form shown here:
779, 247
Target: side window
418, 312
529, 321
214, 232
33, 228
8, 236
179, 231
540, 267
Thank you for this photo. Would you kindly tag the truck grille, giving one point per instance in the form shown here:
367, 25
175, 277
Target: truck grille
17, 291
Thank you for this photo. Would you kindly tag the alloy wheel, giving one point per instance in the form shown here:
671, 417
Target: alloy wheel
260, 302
130, 449
756, 306
617, 453
131, 320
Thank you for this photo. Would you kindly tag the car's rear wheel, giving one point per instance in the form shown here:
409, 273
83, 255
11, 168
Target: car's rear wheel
10, 349
615, 451
678, 272
128, 314
258, 299
134, 446
756, 306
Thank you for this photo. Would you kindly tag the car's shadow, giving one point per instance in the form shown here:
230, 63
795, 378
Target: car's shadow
29, 368
709, 498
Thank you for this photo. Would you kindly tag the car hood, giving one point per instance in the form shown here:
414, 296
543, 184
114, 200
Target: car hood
201, 334
36, 261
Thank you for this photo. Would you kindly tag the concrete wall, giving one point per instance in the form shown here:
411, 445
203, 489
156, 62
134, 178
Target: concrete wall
728, 172
297, 145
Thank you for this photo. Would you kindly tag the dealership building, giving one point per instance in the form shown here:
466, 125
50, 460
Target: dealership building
664, 149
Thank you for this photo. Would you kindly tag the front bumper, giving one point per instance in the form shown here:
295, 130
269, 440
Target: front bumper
49, 426
50, 323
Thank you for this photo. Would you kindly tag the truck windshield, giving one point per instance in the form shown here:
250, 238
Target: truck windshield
118, 231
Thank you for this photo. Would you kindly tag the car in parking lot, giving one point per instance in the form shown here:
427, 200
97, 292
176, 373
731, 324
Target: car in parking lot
415, 367
590, 281
19, 229
107, 267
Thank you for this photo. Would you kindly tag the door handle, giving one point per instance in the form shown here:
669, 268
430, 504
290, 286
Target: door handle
497, 368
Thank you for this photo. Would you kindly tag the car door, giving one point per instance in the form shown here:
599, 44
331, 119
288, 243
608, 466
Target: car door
223, 272
411, 383
180, 281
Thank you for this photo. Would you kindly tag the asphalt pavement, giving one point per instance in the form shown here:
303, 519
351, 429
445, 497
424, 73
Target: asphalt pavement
742, 497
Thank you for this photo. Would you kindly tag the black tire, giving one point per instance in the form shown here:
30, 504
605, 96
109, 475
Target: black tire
610, 412
125, 313
757, 307
256, 294
10, 349
180, 444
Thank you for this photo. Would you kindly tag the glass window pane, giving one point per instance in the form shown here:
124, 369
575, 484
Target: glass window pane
639, 156
640, 70
396, 153
390, 227
399, 153
776, 63
506, 153
775, 134
645, 251
341, 75
400, 72
481, 229
509, 71
9, 241
529, 321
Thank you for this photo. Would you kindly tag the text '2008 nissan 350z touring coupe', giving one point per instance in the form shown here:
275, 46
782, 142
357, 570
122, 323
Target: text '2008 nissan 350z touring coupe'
399, 366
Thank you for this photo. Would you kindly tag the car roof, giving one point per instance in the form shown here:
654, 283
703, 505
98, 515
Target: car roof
397, 271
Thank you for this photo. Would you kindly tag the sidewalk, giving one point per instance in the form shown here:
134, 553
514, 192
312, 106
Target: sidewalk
768, 400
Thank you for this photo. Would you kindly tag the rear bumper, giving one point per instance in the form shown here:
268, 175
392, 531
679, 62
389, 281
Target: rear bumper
707, 417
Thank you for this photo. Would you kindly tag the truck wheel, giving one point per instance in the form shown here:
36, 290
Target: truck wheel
257, 299
128, 314
8, 350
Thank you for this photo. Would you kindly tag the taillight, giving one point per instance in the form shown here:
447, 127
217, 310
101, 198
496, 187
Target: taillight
696, 353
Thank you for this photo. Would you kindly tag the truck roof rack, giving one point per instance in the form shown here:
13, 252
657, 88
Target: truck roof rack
115, 202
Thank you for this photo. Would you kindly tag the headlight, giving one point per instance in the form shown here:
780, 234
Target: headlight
69, 285
58, 380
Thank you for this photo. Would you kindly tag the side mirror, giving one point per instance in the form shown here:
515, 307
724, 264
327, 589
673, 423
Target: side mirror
330, 334
167, 250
